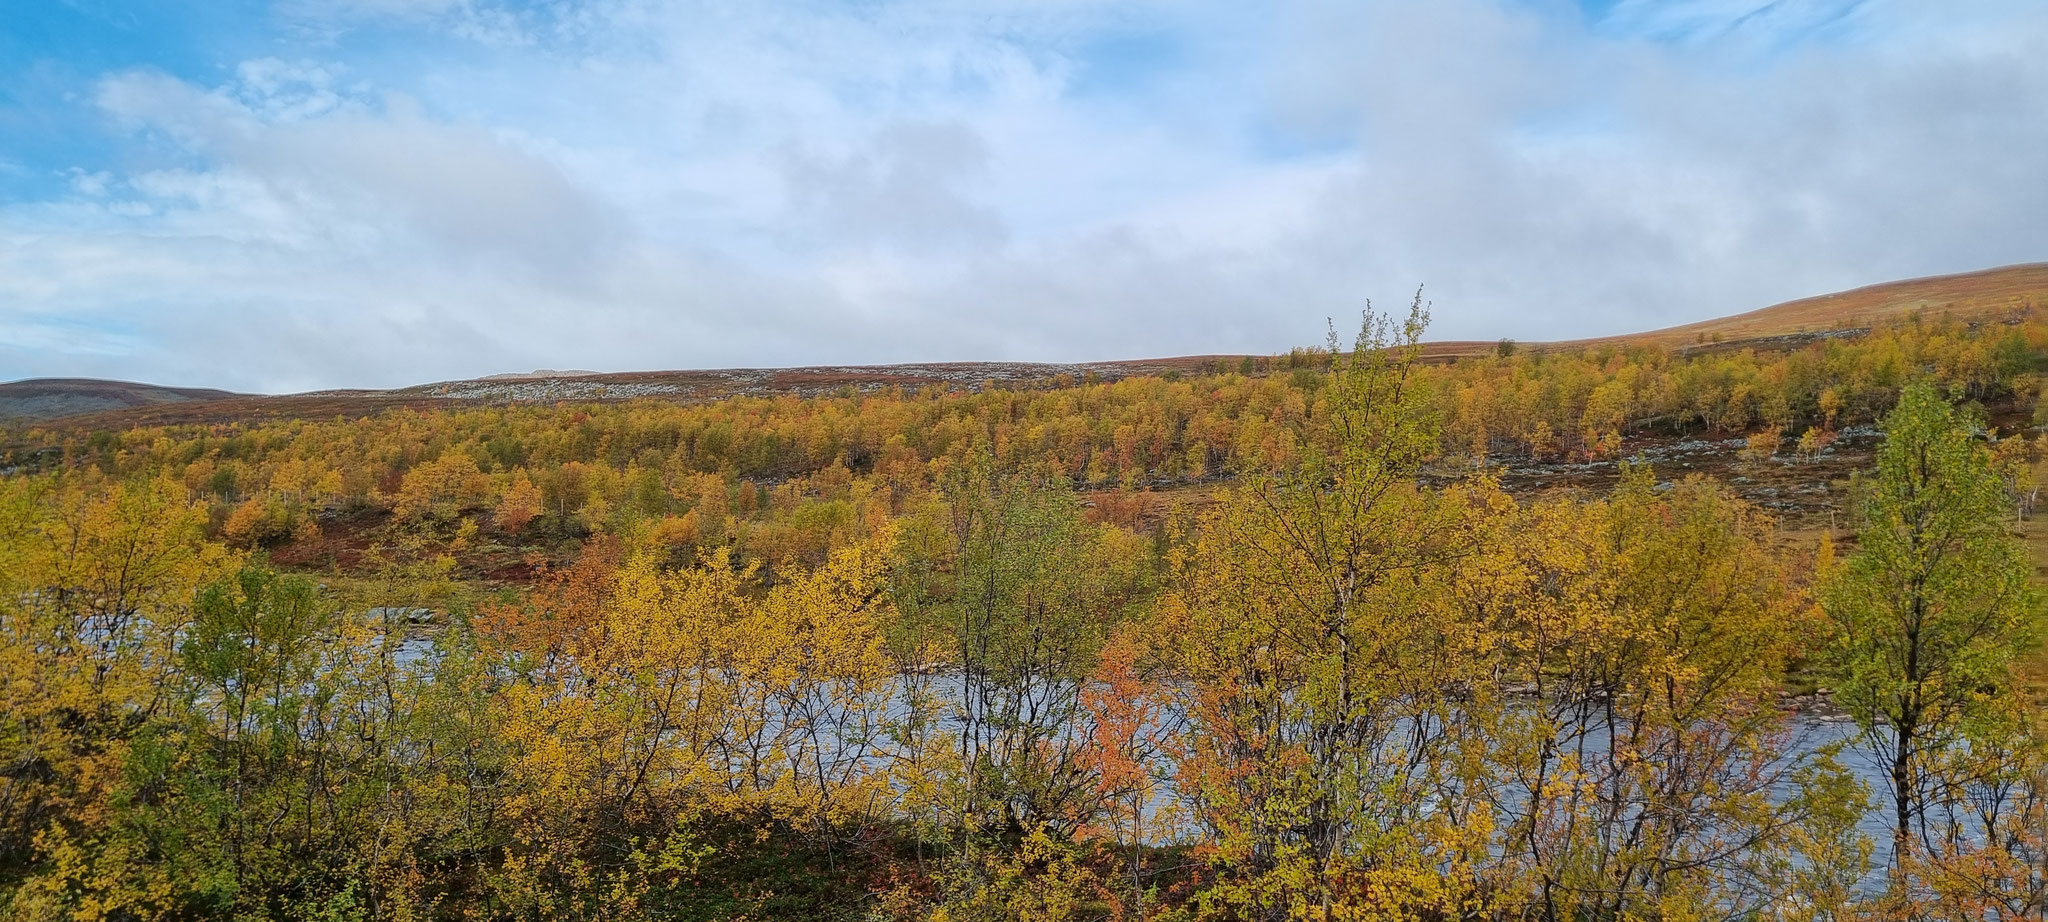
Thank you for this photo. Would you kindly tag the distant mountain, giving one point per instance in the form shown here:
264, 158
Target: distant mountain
1972, 296
50, 398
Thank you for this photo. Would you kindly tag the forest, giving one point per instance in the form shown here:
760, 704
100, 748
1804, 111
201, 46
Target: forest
1281, 639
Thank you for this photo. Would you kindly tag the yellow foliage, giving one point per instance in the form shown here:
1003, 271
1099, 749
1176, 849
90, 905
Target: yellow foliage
702, 689
441, 489
95, 585
520, 504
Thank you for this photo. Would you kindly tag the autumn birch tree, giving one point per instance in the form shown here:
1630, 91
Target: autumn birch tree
1327, 668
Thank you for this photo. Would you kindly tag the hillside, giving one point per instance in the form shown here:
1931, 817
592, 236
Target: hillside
1990, 293
1985, 294
51, 398
682, 386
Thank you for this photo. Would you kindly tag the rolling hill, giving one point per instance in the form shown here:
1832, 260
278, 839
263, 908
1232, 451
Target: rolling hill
1969, 296
52, 398
1972, 296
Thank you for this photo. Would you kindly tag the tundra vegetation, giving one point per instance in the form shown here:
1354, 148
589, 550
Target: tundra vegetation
937, 654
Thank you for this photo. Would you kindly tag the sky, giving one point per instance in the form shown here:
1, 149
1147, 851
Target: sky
302, 194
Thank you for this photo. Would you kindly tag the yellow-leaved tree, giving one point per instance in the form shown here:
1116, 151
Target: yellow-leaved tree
96, 582
1648, 770
647, 703
1334, 694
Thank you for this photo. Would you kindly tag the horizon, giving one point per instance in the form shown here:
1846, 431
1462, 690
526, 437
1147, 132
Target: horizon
324, 194
552, 373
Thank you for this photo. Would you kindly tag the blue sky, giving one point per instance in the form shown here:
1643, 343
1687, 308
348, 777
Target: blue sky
303, 194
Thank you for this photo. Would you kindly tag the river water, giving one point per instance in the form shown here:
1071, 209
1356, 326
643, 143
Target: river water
1809, 733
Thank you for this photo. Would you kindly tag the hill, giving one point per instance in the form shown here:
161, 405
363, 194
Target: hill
1985, 294
52, 398
1992, 293
681, 386
1972, 296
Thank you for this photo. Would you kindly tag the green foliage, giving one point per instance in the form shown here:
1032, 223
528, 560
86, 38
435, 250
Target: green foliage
1003, 579
1931, 611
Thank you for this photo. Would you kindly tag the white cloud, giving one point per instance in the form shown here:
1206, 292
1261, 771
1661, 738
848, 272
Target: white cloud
901, 188
358, 178
630, 184
1762, 22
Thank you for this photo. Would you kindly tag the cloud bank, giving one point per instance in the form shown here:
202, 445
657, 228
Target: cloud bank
388, 192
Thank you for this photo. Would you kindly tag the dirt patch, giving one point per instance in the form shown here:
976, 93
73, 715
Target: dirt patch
345, 539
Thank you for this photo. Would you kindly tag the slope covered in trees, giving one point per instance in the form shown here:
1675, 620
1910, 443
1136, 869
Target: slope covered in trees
1249, 643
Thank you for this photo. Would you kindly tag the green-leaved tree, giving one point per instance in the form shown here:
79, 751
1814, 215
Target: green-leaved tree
1931, 610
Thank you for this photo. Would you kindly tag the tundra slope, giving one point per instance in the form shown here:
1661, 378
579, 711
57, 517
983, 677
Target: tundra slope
1987, 295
